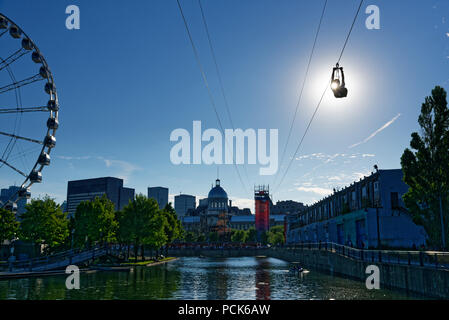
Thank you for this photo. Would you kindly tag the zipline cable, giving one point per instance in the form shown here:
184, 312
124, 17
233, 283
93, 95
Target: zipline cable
302, 139
321, 99
301, 91
217, 69
350, 30
203, 74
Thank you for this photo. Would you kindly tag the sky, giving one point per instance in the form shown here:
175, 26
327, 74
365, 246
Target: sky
128, 77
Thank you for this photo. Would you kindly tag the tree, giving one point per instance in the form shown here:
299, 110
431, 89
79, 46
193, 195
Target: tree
8, 225
122, 234
251, 235
190, 237
213, 237
44, 223
143, 223
173, 227
157, 236
94, 221
276, 235
426, 169
201, 238
238, 236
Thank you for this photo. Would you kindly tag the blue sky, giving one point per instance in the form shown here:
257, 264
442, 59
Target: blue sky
128, 78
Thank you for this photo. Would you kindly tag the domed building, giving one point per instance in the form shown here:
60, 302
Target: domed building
217, 200
215, 214
217, 210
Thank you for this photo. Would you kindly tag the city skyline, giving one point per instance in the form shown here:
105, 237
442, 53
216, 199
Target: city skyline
224, 150
372, 126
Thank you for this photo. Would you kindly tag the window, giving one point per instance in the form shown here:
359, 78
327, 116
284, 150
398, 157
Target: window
394, 197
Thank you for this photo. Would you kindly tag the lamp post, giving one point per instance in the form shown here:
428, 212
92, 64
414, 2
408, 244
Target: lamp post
377, 202
11, 258
378, 229
73, 233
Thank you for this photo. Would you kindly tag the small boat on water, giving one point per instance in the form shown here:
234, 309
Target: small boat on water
298, 269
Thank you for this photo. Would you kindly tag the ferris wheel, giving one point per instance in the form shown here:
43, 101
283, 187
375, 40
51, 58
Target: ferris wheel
28, 112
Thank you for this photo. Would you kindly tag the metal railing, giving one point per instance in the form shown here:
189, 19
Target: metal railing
54, 261
435, 259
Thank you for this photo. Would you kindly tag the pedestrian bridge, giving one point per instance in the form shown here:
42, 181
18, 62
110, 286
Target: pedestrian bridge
54, 262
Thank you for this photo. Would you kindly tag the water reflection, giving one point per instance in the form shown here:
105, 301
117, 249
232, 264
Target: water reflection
263, 279
217, 287
198, 278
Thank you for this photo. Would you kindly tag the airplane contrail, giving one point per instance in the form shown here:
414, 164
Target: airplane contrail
372, 135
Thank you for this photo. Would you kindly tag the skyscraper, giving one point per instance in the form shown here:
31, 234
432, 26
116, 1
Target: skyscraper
11, 192
160, 194
184, 202
88, 189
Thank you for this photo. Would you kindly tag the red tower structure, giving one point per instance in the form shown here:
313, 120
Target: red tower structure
262, 206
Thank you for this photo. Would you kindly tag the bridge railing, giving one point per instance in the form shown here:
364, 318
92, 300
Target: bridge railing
55, 260
435, 259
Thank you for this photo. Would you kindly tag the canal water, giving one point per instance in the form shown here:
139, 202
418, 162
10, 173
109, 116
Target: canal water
199, 278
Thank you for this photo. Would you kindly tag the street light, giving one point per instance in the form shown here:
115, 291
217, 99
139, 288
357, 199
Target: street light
73, 233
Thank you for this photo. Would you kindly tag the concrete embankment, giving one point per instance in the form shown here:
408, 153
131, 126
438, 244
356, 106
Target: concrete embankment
426, 281
37, 274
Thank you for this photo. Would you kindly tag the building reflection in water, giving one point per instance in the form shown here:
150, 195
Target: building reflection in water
218, 281
263, 279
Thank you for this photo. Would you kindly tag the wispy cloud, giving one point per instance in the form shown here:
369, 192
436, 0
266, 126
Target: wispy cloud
326, 158
124, 169
317, 190
372, 135
74, 158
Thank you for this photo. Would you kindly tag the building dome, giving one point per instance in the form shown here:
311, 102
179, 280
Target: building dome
217, 192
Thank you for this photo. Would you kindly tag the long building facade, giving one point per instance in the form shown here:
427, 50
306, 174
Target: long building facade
369, 213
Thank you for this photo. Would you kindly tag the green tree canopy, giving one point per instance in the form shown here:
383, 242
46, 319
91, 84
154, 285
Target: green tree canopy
94, 221
276, 235
173, 227
426, 168
43, 222
239, 236
8, 225
141, 222
190, 237
213, 237
251, 235
201, 238
157, 236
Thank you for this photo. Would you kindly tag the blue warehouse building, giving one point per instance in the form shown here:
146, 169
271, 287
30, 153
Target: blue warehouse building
369, 213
